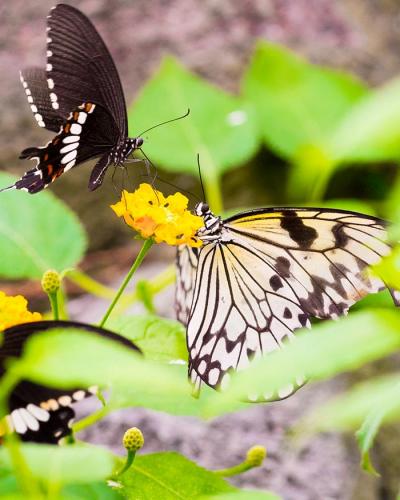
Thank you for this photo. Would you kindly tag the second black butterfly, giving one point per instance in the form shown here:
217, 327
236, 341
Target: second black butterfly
79, 95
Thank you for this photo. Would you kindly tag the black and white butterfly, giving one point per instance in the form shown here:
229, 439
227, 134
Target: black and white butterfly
36, 412
262, 274
79, 96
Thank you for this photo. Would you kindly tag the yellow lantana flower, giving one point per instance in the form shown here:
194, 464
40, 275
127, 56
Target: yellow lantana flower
14, 311
165, 219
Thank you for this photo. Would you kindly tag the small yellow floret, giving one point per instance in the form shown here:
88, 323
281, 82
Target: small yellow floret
255, 455
14, 311
165, 219
133, 439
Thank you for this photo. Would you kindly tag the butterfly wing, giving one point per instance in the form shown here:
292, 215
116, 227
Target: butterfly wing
88, 132
80, 67
186, 265
39, 413
268, 274
34, 81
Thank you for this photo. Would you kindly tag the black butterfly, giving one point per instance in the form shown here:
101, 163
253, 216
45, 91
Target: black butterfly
79, 95
38, 413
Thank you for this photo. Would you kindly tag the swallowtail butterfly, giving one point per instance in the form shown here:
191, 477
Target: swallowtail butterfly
79, 96
38, 413
262, 274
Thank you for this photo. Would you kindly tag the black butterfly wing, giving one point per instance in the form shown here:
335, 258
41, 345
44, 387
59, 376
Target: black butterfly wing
34, 81
80, 68
89, 132
270, 272
36, 412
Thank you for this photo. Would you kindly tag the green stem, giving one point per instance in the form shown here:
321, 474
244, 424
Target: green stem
235, 470
61, 301
89, 284
54, 304
91, 419
129, 461
141, 255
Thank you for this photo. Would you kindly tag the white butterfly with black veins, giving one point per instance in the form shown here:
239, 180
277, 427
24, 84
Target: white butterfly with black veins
262, 274
79, 96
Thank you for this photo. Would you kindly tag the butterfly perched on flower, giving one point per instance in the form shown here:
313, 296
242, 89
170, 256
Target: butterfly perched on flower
36, 412
79, 96
261, 275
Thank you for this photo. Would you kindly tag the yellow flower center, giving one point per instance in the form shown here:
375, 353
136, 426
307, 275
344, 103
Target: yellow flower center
14, 311
165, 219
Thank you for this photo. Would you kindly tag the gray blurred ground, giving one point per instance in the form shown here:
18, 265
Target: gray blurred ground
215, 39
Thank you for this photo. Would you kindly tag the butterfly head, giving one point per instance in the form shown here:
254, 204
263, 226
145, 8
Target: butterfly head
133, 143
212, 223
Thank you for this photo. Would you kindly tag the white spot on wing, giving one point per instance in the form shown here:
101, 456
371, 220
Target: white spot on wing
68, 157
76, 128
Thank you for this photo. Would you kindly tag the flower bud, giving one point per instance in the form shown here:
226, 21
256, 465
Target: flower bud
51, 281
133, 439
255, 456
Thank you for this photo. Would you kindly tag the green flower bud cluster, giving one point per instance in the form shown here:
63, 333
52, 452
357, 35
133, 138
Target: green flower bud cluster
133, 439
255, 456
51, 281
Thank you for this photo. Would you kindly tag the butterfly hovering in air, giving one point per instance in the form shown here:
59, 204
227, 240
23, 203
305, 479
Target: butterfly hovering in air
262, 274
36, 412
79, 96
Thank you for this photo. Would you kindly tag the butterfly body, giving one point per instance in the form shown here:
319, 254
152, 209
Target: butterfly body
79, 96
261, 275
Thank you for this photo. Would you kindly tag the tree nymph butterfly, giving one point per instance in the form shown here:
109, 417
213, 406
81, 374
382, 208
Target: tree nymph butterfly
79, 96
36, 412
262, 274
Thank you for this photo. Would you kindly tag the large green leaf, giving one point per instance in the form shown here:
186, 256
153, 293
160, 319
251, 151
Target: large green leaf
330, 348
170, 476
297, 103
68, 464
88, 360
160, 339
371, 130
379, 397
37, 232
220, 127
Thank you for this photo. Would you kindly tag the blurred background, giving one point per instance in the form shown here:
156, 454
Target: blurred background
215, 39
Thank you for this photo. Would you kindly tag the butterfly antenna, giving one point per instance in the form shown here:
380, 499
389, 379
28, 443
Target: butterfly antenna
168, 121
201, 179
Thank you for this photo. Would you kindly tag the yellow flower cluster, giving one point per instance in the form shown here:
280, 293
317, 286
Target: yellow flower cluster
165, 219
14, 311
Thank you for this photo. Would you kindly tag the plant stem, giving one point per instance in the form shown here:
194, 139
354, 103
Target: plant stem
235, 470
89, 284
91, 419
62, 310
141, 255
129, 461
54, 304
212, 186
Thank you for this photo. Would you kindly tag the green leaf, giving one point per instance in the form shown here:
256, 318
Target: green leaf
69, 464
297, 103
348, 411
328, 349
170, 476
90, 491
220, 128
88, 359
371, 130
365, 438
37, 233
388, 269
160, 339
